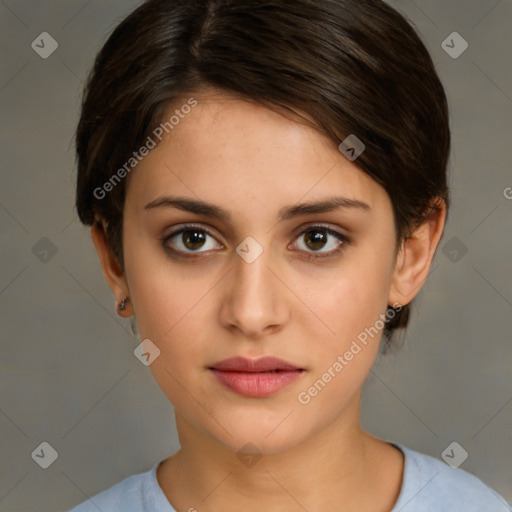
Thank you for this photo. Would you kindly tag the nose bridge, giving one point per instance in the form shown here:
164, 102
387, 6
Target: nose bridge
251, 274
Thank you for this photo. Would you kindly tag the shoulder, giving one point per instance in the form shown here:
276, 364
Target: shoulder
136, 492
430, 484
124, 495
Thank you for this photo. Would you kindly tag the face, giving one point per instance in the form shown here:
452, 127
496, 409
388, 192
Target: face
265, 277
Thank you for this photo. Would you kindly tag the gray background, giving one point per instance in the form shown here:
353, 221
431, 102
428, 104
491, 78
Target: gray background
68, 373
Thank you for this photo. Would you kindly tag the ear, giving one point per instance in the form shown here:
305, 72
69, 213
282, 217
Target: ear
112, 269
415, 256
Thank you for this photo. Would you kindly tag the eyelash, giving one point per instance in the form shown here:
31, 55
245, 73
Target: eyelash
310, 255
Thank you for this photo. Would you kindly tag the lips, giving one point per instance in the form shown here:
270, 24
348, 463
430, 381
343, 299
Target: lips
255, 378
265, 364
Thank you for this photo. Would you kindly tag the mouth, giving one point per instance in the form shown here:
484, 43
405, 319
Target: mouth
256, 378
262, 365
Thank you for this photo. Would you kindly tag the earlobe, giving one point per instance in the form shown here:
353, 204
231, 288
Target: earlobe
415, 256
112, 269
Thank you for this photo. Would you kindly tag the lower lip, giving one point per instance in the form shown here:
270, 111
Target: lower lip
254, 384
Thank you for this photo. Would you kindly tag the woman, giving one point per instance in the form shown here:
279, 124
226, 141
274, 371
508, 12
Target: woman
265, 183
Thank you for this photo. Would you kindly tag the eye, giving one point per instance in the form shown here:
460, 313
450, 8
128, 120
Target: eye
318, 238
190, 239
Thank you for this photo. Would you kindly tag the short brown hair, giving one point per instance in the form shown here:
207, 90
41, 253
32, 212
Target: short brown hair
354, 66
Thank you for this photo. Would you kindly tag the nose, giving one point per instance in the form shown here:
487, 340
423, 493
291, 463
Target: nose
254, 301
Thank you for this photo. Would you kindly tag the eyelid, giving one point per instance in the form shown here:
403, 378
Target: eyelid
326, 227
191, 225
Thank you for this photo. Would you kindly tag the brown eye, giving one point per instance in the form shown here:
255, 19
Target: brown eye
193, 239
190, 239
315, 238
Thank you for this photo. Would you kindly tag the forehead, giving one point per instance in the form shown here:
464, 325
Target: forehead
226, 148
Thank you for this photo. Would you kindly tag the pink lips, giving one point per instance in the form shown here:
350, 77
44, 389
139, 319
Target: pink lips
255, 378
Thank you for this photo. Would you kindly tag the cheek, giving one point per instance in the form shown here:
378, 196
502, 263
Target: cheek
165, 298
352, 309
172, 313
342, 361
357, 297
161, 294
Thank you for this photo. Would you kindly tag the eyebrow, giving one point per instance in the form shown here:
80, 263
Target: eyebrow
288, 212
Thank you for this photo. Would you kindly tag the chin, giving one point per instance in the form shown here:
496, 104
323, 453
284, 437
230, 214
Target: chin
256, 437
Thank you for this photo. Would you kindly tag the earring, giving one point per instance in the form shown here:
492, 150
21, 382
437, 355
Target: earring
122, 304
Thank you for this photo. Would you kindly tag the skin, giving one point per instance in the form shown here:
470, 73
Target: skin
253, 161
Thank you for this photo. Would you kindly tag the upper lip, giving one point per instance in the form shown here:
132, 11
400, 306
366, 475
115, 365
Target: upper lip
264, 364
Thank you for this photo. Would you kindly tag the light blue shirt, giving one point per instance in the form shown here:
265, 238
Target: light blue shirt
428, 485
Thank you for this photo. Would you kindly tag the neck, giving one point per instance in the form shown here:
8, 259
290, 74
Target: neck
338, 468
